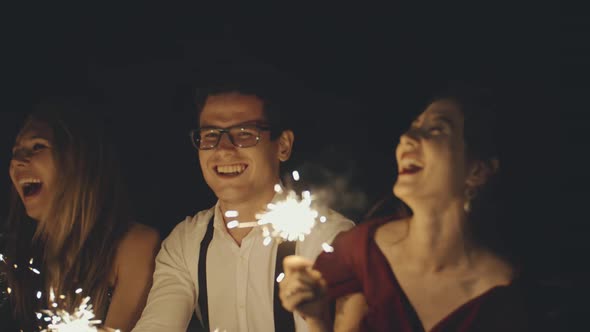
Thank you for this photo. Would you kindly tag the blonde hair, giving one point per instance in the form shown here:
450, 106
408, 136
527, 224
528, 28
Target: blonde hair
77, 240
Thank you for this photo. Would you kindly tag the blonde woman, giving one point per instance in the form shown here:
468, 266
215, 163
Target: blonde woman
69, 213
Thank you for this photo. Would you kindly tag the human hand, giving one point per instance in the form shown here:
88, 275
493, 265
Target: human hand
303, 289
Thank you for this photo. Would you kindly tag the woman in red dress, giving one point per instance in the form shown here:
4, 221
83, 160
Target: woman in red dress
429, 271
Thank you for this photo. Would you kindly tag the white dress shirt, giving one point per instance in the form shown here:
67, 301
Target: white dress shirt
240, 279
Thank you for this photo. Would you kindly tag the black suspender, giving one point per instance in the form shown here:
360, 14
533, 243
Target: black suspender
203, 305
282, 318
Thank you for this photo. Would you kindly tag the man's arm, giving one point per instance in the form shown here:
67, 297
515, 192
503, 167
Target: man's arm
172, 297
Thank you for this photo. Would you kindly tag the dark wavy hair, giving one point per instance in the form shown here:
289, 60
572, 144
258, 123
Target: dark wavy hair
481, 108
263, 81
75, 246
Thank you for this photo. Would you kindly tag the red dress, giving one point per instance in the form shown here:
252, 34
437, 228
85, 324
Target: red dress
358, 265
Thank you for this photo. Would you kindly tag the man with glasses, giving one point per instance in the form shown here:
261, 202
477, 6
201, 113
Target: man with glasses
227, 275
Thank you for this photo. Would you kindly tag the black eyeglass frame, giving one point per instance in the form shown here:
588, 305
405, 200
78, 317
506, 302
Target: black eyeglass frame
194, 135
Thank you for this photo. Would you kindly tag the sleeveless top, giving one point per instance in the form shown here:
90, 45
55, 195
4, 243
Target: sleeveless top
358, 265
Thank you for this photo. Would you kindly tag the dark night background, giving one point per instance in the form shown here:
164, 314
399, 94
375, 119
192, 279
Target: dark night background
362, 67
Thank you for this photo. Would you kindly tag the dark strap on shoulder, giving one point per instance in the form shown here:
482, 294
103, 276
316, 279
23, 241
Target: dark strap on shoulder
284, 321
203, 305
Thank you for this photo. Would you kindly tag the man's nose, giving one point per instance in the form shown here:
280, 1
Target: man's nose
225, 141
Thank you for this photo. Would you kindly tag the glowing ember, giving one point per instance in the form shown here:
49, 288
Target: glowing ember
233, 224
248, 224
327, 247
278, 188
306, 194
231, 213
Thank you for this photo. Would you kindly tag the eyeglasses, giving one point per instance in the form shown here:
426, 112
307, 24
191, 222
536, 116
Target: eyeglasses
241, 136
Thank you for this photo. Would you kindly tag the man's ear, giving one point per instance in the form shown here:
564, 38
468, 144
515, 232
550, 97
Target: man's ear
480, 171
286, 144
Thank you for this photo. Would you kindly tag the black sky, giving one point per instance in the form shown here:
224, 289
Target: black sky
363, 67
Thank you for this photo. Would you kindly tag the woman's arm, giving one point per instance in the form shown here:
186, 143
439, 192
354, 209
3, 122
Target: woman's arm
134, 266
350, 312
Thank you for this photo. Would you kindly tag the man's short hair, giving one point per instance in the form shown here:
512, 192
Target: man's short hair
262, 81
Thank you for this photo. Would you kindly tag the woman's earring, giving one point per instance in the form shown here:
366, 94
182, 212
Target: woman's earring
467, 206
469, 195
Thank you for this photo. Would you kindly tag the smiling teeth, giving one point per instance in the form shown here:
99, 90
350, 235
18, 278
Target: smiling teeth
24, 181
231, 169
410, 163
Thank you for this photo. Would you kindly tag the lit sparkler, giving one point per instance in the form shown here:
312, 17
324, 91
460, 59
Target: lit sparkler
290, 219
82, 320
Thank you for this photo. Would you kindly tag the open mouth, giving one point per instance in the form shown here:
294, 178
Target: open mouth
31, 187
230, 170
410, 166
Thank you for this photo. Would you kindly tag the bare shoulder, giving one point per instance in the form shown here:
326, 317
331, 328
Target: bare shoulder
392, 232
494, 270
139, 239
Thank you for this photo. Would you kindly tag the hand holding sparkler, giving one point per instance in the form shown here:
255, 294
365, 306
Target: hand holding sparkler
303, 289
